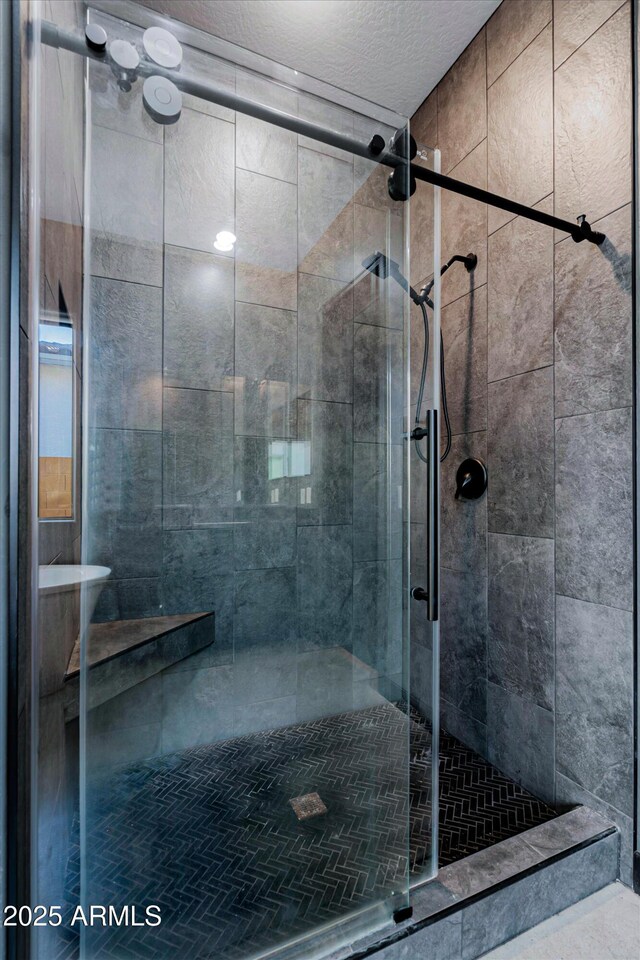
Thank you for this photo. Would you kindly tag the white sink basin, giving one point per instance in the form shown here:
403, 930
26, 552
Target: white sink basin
62, 585
57, 577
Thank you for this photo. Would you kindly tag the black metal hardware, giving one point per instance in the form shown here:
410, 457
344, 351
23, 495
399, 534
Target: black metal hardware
433, 516
403, 144
404, 913
376, 145
419, 433
96, 37
419, 593
471, 479
401, 184
54, 36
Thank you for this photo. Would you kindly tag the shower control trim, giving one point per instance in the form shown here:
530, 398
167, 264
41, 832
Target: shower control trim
419, 593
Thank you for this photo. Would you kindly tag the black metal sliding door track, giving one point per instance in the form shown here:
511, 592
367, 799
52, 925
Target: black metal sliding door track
398, 154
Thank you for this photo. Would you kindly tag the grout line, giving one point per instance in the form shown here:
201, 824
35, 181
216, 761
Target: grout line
524, 50
586, 40
524, 373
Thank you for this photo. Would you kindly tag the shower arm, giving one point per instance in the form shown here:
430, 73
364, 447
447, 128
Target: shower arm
395, 155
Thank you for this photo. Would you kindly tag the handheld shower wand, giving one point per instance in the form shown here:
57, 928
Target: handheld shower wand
382, 266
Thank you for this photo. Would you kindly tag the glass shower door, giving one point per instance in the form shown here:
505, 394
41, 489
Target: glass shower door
244, 709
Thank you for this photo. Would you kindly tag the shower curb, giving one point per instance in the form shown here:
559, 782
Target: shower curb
480, 902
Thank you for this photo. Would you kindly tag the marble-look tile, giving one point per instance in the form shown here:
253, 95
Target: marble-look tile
199, 181
123, 503
197, 707
476, 873
260, 676
112, 749
593, 308
593, 158
138, 705
197, 457
463, 642
266, 251
126, 207
265, 609
376, 229
520, 141
594, 508
325, 215
466, 729
424, 122
464, 228
377, 384
325, 339
594, 699
197, 575
521, 296
568, 830
198, 319
266, 371
442, 939
421, 231
325, 682
265, 148
521, 616
263, 715
520, 906
568, 792
325, 494
520, 452
573, 23
528, 758
377, 509
265, 538
325, 587
464, 332
463, 523
125, 355
263, 476
512, 28
377, 616
129, 600
462, 104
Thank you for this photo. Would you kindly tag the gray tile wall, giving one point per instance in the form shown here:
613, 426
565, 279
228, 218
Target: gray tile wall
537, 639
205, 368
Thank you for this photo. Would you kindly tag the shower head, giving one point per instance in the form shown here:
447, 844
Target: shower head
382, 266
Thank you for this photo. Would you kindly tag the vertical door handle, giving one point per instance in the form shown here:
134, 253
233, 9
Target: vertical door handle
433, 515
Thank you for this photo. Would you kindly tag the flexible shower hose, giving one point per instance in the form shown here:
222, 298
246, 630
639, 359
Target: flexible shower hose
423, 376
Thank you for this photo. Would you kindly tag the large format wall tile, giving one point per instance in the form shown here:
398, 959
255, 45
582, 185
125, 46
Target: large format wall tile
593, 320
266, 251
464, 228
512, 28
520, 448
520, 147
594, 700
325, 494
464, 331
197, 707
377, 616
266, 371
325, 216
463, 537
197, 457
265, 609
325, 339
126, 207
594, 499
424, 122
377, 513
462, 105
125, 355
325, 587
266, 149
325, 682
593, 146
521, 296
124, 526
463, 642
377, 384
198, 204
573, 23
198, 319
521, 741
467, 729
521, 616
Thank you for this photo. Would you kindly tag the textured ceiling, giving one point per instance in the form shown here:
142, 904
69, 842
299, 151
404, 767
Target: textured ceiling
392, 52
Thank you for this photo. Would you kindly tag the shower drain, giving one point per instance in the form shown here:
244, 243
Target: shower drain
309, 805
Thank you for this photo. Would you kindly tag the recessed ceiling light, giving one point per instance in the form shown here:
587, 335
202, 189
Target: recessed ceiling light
224, 241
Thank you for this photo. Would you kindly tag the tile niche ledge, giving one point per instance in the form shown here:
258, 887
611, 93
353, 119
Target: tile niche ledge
123, 653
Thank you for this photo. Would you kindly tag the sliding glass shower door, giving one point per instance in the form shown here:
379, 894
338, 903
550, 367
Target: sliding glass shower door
256, 770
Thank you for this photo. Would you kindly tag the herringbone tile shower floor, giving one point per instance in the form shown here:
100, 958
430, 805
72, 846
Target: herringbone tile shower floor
209, 834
